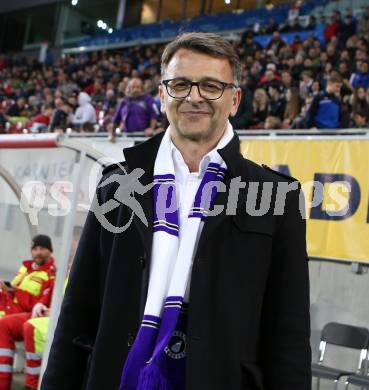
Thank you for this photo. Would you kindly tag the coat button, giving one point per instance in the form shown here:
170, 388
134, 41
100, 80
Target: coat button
142, 261
130, 339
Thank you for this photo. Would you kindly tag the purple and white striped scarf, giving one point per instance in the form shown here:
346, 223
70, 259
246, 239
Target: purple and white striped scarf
171, 263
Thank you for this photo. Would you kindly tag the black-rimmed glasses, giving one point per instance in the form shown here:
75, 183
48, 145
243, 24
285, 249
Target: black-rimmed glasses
209, 89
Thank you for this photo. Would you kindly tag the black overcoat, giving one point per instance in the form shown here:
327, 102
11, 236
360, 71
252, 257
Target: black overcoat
248, 322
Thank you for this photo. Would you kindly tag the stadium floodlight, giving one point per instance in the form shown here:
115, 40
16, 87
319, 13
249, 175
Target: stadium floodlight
104, 26
227, 1
100, 23
110, 30
74, 2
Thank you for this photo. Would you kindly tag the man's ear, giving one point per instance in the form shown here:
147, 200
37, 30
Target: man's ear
162, 100
236, 101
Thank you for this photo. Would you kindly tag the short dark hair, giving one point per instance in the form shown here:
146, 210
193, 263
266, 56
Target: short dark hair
334, 77
207, 43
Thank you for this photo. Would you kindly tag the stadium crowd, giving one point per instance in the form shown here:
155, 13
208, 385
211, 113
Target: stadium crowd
306, 84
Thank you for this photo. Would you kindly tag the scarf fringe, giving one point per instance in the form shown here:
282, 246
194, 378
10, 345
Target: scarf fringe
152, 378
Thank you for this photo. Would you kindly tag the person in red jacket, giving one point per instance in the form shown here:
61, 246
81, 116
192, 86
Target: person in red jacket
332, 28
32, 284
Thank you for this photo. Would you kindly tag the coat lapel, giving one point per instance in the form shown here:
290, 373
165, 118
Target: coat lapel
235, 168
143, 156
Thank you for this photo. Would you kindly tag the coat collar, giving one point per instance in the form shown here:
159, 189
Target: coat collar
143, 156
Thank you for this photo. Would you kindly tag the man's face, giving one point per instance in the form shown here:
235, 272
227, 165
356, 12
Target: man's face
335, 88
40, 255
359, 120
269, 75
364, 68
273, 92
134, 88
330, 50
194, 117
342, 68
286, 78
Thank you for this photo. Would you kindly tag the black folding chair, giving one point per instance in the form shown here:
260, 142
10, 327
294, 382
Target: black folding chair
344, 336
357, 380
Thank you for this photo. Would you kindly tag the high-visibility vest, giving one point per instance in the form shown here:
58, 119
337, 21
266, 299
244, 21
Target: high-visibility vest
34, 283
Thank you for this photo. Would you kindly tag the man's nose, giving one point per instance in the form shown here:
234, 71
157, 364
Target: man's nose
194, 95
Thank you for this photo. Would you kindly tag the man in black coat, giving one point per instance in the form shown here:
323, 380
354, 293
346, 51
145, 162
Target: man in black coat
248, 319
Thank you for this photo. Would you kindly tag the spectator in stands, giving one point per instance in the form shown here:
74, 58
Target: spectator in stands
260, 107
297, 66
137, 111
62, 117
109, 102
291, 25
312, 23
361, 77
333, 54
287, 80
273, 123
18, 109
360, 119
358, 100
248, 43
244, 115
33, 106
332, 28
364, 23
253, 76
325, 109
306, 83
85, 116
40, 123
277, 101
300, 121
344, 70
315, 88
293, 106
271, 77
276, 43
98, 94
66, 86
272, 26
347, 30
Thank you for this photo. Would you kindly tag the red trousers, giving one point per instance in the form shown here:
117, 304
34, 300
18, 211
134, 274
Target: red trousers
13, 327
33, 359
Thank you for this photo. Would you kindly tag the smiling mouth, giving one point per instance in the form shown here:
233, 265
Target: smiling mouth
195, 112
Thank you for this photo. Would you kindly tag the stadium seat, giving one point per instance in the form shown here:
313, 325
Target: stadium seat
342, 335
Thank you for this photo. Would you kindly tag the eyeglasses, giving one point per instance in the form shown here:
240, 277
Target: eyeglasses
209, 89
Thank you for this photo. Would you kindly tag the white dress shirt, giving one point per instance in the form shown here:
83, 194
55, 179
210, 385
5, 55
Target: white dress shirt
188, 182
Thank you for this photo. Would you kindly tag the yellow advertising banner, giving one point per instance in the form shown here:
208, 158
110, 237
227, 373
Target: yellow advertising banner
337, 227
